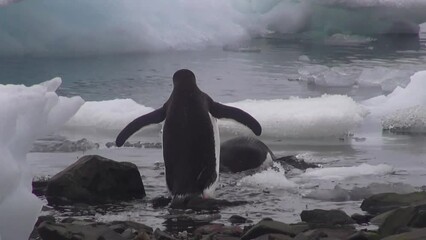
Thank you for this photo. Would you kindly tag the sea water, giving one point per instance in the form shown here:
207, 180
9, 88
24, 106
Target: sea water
324, 99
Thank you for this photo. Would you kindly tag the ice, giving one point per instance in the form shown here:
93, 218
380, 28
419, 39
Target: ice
385, 78
339, 39
328, 116
108, 26
340, 173
403, 107
408, 120
339, 194
26, 114
105, 119
328, 77
362, 17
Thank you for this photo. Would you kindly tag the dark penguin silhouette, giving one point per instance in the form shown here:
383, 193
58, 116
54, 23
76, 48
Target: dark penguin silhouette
191, 142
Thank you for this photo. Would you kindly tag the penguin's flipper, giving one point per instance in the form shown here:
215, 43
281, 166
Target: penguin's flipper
156, 116
222, 111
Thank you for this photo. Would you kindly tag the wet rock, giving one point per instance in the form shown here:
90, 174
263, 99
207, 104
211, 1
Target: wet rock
208, 229
160, 202
364, 235
136, 228
160, 235
69, 231
34, 234
245, 153
401, 219
319, 217
311, 235
297, 163
39, 187
188, 221
236, 219
218, 231
336, 233
95, 180
362, 219
414, 234
274, 236
384, 202
269, 227
242, 153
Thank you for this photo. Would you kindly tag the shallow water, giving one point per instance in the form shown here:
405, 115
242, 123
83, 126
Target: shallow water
229, 76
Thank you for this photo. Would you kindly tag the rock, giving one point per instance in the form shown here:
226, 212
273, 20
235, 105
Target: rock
245, 153
121, 226
397, 221
319, 217
384, 202
364, 235
274, 236
269, 227
34, 234
95, 180
236, 219
242, 153
208, 229
311, 235
401, 219
362, 219
179, 222
39, 187
160, 201
327, 233
160, 235
415, 234
296, 162
68, 231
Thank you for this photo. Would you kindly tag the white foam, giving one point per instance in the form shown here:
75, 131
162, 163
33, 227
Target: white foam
26, 114
273, 177
340, 173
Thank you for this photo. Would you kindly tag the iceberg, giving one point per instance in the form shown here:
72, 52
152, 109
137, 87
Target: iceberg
27, 113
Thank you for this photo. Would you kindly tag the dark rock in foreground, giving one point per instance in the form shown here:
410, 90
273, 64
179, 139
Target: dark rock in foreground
73, 229
414, 234
95, 180
265, 227
400, 219
384, 202
319, 217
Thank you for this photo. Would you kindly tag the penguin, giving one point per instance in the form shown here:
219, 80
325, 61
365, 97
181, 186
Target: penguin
191, 143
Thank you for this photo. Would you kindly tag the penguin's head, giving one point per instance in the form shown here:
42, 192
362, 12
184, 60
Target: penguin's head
184, 78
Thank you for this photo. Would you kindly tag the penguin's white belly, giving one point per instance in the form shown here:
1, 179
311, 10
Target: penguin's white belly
209, 191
